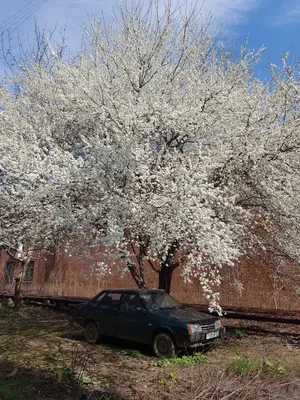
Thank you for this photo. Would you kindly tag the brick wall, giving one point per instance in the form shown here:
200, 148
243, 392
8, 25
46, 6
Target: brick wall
60, 274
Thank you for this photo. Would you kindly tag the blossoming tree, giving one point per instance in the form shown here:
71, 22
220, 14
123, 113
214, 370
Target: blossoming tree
158, 141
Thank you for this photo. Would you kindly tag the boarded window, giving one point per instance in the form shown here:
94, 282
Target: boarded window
28, 275
9, 271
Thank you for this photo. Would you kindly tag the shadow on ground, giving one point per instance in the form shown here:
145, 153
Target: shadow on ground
31, 384
20, 383
112, 343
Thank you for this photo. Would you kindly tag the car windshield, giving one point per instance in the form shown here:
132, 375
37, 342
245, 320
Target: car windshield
154, 300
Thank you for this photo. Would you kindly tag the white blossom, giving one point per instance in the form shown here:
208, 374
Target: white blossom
153, 137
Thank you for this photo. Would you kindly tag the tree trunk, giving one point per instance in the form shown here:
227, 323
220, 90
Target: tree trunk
165, 277
18, 293
167, 268
23, 262
19, 281
139, 279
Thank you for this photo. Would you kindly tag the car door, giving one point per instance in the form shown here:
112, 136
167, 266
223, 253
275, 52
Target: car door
134, 321
108, 313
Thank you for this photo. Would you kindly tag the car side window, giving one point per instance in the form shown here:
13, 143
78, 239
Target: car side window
98, 299
131, 302
111, 300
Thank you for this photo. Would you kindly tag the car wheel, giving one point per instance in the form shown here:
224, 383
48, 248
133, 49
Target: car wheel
163, 346
91, 333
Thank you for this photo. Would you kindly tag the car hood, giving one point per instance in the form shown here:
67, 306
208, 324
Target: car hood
188, 315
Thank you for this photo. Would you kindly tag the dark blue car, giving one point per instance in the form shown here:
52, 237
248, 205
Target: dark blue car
147, 316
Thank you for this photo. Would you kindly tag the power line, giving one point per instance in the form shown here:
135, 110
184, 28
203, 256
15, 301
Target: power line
2, 25
28, 14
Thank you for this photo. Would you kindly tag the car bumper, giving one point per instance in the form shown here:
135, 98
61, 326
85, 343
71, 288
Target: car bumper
200, 339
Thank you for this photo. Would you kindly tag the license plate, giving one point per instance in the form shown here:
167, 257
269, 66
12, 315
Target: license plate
212, 335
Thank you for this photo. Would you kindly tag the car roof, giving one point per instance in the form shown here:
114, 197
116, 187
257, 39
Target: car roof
133, 290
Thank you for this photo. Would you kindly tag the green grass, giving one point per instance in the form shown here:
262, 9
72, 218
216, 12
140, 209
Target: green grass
271, 367
240, 333
197, 358
241, 366
131, 353
171, 378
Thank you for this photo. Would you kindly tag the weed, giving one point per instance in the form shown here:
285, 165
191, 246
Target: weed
240, 333
241, 365
197, 358
65, 374
171, 378
272, 367
131, 353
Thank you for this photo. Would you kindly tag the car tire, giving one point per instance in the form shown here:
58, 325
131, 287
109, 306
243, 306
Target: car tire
91, 333
163, 346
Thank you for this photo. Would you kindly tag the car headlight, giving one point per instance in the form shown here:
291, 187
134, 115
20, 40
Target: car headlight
194, 329
218, 324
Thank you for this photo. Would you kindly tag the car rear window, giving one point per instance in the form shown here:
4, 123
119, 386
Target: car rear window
111, 300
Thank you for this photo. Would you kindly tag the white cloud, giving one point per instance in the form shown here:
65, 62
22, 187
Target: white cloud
230, 12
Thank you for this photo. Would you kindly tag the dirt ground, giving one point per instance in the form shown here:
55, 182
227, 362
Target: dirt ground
43, 356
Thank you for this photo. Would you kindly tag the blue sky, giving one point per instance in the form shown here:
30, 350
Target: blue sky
272, 23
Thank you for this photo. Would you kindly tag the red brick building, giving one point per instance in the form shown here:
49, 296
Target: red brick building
61, 274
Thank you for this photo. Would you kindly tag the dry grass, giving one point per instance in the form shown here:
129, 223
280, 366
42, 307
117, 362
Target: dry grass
246, 387
39, 342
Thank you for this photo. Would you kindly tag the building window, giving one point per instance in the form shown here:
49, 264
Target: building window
28, 275
9, 271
